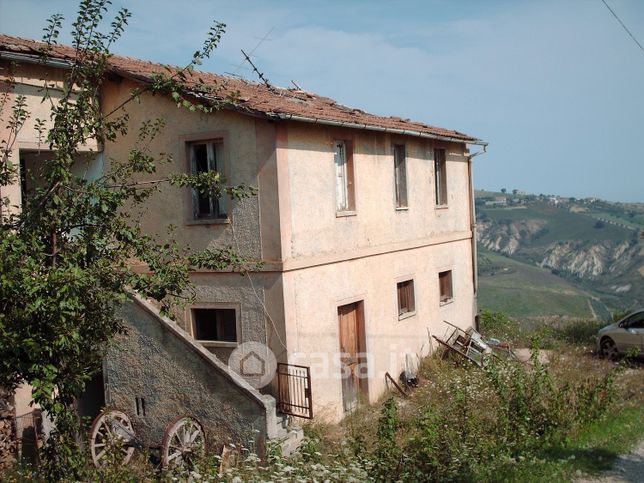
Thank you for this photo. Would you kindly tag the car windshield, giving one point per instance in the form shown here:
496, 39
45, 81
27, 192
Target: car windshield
636, 321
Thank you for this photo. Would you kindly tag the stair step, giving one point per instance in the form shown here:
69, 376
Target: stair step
292, 441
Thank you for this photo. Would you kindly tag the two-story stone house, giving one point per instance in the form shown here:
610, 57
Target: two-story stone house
364, 224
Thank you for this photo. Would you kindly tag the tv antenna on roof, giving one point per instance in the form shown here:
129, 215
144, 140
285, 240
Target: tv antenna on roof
256, 70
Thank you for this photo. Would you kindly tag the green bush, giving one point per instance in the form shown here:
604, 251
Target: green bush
471, 422
579, 332
499, 326
466, 424
462, 424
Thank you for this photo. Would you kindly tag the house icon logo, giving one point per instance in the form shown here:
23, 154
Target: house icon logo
252, 365
255, 362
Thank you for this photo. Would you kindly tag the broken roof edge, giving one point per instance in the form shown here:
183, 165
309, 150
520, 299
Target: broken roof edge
373, 127
58, 62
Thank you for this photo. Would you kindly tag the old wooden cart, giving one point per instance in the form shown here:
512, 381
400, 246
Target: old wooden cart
112, 439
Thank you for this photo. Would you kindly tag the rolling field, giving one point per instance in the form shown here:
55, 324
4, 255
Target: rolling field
588, 269
525, 291
562, 224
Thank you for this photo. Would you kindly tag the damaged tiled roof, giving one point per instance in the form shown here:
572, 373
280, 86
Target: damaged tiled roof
257, 99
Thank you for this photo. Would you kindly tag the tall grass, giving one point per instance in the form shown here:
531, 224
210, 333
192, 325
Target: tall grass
463, 423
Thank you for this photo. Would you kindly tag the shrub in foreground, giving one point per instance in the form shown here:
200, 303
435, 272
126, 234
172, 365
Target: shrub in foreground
469, 422
463, 424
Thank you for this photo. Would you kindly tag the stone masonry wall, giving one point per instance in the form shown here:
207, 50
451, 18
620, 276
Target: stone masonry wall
158, 362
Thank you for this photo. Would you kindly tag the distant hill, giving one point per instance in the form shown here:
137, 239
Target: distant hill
592, 250
526, 291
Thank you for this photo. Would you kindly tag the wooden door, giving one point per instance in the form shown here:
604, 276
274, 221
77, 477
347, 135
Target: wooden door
350, 318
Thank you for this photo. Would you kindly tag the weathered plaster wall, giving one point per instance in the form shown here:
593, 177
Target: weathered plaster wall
332, 260
235, 290
313, 296
175, 380
255, 228
247, 149
28, 80
292, 226
377, 225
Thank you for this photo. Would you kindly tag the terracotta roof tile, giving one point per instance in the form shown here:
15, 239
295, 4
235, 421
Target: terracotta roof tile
255, 98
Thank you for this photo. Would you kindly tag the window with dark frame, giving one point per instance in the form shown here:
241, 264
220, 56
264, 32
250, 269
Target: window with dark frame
345, 197
440, 177
406, 302
445, 286
217, 325
636, 321
400, 175
205, 157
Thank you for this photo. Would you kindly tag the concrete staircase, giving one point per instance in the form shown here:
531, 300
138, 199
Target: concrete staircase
156, 333
289, 438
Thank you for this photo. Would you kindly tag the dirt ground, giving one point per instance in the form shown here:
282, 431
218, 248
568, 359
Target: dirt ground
628, 468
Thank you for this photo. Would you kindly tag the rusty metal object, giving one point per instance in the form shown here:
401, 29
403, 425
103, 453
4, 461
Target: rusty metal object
294, 390
396, 385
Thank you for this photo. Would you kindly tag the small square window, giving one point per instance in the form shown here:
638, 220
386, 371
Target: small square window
445, 286
219, 325
406, 303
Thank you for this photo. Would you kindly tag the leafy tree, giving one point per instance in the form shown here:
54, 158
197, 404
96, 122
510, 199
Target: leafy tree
66, 256
504, 190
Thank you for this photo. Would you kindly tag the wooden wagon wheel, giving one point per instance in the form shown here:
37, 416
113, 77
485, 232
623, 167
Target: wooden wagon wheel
183, 442
111, 437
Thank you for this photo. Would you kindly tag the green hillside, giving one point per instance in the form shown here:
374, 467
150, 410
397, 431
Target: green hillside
526, 291
591, 251
562, 224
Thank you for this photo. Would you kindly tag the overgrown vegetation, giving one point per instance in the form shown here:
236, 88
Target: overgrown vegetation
508, 422
66, 254
549, 333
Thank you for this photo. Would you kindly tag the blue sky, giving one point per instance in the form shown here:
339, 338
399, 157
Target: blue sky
555, 87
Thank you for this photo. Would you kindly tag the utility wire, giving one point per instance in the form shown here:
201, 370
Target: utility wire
277, 333
624, 26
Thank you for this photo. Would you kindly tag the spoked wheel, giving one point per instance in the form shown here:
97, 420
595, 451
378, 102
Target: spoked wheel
609, 350
184, 442
110, 438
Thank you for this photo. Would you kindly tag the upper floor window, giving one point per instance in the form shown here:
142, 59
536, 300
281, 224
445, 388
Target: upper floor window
344, 195
205, 157
214, 325
406, 302
440, 177
445, 286
400, 175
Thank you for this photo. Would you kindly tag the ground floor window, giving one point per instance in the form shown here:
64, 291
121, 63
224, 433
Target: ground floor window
406, 302
218, 325
445, 286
